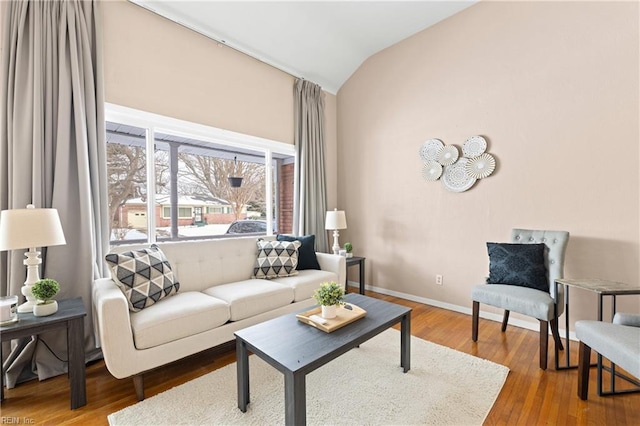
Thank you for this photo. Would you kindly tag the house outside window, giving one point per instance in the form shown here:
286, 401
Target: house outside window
168, 179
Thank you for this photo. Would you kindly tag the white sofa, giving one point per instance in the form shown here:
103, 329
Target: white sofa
216, 298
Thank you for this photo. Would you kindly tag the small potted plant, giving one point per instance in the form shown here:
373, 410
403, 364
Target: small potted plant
348, 247
329, 296
45, 290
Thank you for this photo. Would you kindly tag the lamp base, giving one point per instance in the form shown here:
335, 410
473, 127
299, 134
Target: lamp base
32, 263
26, 307
336, 246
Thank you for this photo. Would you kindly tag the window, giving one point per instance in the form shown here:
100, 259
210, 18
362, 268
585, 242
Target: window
169, 179
183, 212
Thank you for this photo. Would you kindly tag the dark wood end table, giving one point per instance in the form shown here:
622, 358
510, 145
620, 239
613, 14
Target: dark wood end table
351, 261
296, 349
70, 315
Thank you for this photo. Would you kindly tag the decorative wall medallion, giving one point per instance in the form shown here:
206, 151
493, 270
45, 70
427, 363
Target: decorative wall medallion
455, 177
432, 170
430, 149
459, 173
474, 146
448, 155
481, 166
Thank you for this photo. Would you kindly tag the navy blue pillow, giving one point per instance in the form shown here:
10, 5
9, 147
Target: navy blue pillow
518, 264
307, 251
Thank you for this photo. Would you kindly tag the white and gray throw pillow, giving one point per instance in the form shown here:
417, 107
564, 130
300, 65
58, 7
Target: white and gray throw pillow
144, 276
276, 259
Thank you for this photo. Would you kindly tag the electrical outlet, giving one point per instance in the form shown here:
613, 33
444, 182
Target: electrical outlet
439, 279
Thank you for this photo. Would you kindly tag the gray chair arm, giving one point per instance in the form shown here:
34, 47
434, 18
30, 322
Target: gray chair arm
627, 319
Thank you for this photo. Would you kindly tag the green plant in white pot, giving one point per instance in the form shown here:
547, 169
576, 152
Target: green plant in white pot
348, 247
329, 297
45, 290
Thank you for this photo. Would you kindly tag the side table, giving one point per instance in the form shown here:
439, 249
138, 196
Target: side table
602, 288
70, 316
356, 260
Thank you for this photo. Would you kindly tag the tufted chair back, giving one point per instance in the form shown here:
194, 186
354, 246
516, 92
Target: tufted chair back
556, 242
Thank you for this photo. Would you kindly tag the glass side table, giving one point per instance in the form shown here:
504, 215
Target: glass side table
602, 288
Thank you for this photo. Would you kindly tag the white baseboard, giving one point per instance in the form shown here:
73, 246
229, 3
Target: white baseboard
462, 309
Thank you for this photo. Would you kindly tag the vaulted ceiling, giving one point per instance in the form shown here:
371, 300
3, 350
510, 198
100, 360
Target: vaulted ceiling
321, 41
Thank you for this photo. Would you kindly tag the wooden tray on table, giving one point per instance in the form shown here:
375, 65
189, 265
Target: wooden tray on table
345, 314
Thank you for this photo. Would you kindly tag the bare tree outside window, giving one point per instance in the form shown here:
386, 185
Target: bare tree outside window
127, 179
205, 175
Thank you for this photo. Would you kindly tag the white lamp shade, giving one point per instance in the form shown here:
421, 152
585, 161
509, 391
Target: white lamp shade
335, 219
30, 227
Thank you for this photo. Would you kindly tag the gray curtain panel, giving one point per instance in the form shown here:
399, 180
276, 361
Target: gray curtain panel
310, 192
53, 154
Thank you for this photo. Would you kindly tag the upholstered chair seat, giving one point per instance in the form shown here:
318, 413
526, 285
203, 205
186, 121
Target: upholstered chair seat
526, 301
619, 342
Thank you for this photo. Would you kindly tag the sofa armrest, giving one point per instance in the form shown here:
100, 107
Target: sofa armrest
627, 319
333, 263
111, 312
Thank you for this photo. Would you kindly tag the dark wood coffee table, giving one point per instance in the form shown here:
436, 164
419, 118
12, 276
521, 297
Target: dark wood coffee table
296, 349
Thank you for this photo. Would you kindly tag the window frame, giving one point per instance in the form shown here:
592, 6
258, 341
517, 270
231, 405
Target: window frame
156, 123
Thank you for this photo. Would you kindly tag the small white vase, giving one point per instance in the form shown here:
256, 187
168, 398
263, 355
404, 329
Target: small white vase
329, 312
43, 309
349, 255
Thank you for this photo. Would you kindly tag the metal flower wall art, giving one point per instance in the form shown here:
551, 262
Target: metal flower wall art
457, 173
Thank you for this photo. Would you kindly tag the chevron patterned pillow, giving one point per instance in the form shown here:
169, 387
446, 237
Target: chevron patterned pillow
144, 276
276, 259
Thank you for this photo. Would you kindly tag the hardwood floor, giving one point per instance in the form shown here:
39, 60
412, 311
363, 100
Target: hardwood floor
530, 396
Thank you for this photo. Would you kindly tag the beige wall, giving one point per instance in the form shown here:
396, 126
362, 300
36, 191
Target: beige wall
155, 65
554, 88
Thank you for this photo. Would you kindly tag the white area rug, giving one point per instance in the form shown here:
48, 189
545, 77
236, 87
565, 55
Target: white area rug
365, 386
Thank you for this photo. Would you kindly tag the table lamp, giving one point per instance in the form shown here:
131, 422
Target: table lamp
27, 229
335, 220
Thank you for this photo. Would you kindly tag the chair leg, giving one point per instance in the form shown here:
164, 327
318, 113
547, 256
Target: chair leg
474, 321
584, 361
138, 383
544, 343
556, 334
505, 320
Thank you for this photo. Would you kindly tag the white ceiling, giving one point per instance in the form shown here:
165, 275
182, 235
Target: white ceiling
321, 41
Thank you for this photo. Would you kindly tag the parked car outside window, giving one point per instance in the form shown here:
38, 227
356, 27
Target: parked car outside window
248, 227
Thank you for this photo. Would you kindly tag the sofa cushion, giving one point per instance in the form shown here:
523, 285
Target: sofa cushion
276, 259
250, 297
518, 264
144, 276
306, 282
182, 315
306, 253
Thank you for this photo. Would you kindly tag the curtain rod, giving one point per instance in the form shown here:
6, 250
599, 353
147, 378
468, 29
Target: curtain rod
220, 42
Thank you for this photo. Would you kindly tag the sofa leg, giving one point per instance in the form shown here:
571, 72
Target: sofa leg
505, 320
138, 383
584, 362
474, 321
544, 343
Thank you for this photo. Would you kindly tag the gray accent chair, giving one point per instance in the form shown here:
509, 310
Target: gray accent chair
544, 306
619, 342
